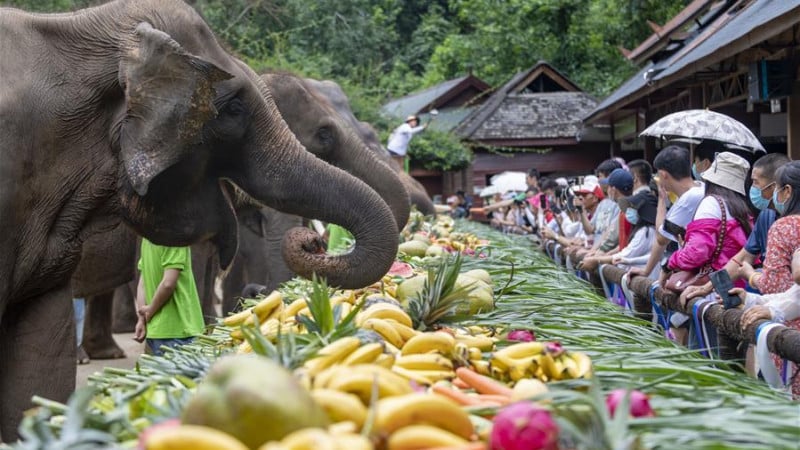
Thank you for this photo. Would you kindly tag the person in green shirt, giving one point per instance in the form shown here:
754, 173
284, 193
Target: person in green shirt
166, 300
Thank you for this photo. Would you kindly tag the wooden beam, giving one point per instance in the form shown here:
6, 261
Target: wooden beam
655, 27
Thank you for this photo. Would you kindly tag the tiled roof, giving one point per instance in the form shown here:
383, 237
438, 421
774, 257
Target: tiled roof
548, 115
730, 32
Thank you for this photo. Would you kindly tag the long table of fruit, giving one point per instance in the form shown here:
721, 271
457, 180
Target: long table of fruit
466, 343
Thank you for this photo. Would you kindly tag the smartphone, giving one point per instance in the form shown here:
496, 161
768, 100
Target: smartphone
543, 201
675, 230
722, 284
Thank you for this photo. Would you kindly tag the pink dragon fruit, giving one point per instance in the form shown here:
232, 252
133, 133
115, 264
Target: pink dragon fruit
524, 426
521, 336
639, 403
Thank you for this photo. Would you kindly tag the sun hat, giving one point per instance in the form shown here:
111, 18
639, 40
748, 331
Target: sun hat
590, 185
728, 170
412, 117
561, 181
644, 202
620, 179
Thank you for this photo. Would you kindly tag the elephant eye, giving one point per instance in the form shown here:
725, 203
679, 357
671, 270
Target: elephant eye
234, 107
325, 135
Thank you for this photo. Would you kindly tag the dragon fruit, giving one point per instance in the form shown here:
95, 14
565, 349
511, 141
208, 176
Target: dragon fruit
524, 426
521, 336
639, 403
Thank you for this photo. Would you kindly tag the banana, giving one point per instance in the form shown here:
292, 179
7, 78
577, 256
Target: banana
414, 437
441, 342
352, 442
191, 436
331, 354
434, 375
519, 371
385, 360
394, 413
385, 329
293, 308
522, 350
341, 298
484, 343
384, 311
365, 354
406, 332
269, 303
475, 353
344, 309
427, 361
323, 378
237, 319
584, 364
482, 367
570, 366
548, 367
358, 380
461, 352
412, 375
308, 439
341, 406
244, 347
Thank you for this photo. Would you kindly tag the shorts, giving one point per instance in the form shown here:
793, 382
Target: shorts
154, 345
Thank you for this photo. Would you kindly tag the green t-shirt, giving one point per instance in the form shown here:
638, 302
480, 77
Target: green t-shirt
339, 239
181, 316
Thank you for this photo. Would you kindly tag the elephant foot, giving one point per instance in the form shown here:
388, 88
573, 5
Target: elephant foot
83, 358
103, 350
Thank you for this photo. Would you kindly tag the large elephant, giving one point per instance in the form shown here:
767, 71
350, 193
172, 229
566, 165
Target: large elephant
338, 99
131, 111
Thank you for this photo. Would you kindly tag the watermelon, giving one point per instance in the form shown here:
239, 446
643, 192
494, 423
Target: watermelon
401, 269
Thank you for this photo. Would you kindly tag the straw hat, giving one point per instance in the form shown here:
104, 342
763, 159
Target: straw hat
729, 171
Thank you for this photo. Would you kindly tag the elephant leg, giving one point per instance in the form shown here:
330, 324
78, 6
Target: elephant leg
124, 317
204, 269
38, 348
98, 339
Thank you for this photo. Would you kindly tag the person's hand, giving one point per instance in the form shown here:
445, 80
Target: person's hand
741, 293
617, 259
145, 313
140, 332
745, 270
695, 291
754, 314
589, 263
662, 192
636, 272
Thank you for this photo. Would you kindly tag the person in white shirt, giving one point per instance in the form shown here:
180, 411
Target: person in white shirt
401, 136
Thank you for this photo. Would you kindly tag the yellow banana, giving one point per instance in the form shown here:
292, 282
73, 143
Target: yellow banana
341, 406
323, 378
344, 309
352, 442
522, 350
331, 354
308, 439
244, 347
237, 319
583, 362
385, 329
519, 371
461, 352
484, 343
358, 380
570, 366
384, 311
549, 367
394, 413
191, 436
412, 375
273, 445
267, 304
344, 427
475, 353
406, 332
385, 360
293, 308
481, 366
364, 354
440, 342
426, 361
341, 298
415, 437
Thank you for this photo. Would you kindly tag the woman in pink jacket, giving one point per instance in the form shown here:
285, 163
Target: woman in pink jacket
724, 191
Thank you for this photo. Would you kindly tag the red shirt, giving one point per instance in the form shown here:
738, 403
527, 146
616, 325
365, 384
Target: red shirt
624, 231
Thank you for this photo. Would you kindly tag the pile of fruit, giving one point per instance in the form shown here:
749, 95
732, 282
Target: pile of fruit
391, 366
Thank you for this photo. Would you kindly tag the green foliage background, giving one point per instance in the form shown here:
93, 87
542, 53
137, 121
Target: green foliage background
382, 49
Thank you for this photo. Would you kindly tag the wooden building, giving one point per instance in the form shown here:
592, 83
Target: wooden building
533, 121
737, 57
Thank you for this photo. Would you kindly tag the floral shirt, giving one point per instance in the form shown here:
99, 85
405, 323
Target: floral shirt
782, 240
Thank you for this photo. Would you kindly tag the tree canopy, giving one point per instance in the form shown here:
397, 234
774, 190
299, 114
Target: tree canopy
380, 49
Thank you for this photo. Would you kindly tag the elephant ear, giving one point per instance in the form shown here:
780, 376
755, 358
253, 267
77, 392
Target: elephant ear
169, 97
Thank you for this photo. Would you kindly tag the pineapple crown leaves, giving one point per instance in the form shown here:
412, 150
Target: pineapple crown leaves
327, 322
289, 349
439, 296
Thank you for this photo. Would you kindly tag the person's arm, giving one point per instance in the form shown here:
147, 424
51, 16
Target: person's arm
656, 252
588, 226
140, 330
163, 293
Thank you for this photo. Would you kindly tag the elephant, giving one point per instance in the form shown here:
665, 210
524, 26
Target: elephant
132, 114
338, 99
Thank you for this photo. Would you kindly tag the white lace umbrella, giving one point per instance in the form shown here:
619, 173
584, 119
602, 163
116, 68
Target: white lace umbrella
510, 181
704, 124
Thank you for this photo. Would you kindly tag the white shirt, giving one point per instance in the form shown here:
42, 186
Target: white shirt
400, 137
682, 212
637, 252
784, 306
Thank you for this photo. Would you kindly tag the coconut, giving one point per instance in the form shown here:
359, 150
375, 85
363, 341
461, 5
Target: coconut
409, 288
480, 296
240, 391
524, 426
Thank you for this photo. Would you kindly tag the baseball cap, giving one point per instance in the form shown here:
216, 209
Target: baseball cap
590, 186
620, 179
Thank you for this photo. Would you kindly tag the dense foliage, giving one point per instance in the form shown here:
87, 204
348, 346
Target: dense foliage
379, 49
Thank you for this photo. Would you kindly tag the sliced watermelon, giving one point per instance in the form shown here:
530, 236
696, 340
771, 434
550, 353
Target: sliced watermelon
401, 269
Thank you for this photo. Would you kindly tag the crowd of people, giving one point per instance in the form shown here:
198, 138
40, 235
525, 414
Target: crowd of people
677, 221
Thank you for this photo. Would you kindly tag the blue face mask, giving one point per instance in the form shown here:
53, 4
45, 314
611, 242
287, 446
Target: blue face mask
758, 201
632, 216
694, 171
779, 206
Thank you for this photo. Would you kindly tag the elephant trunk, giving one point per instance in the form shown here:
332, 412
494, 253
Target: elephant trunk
379, 176
292, 180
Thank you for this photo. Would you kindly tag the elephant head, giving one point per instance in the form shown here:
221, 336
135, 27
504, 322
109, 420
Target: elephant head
196, 123
320, 129
331, 91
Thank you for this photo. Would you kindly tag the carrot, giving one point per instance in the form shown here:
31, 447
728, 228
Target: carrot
482, 384
456, 395
459, 383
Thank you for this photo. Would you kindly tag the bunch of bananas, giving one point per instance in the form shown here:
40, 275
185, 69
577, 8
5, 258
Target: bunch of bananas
359, 380
336, 437
545, 361
418, 421
389, 321
269, 308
